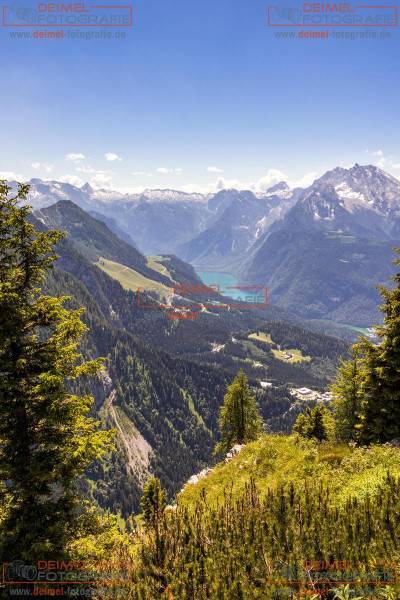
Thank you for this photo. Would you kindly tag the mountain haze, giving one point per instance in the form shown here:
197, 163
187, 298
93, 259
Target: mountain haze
170, 221
320, 250
239, 219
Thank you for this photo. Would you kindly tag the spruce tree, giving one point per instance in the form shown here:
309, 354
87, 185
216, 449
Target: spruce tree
153, 502
346, 398
47, 438
239, 418
315, 423
367, 389
380, 373
319, 429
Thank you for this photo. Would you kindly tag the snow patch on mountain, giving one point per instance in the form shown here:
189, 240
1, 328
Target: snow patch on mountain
167, 195
351, 198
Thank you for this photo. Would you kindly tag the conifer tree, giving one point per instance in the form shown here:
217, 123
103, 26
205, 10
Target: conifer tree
378, 377
346, 398
319, 429
153, 502
316, 423
47, 437
380, 410
302, 424
239, 418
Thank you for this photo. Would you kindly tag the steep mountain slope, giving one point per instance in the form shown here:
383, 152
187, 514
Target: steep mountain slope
324, 259
96, 241
157, 220
114, 227
239, 219
91, 236
363, 201
322, 275
163, 408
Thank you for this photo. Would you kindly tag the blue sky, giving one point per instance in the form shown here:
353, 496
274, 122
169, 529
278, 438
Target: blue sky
199, 95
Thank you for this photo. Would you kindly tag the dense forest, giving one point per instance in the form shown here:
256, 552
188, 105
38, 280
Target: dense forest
172, 402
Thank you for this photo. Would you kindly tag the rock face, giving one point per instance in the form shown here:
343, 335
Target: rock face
137, 450
233, 451
196, 478
199, 476
394, 443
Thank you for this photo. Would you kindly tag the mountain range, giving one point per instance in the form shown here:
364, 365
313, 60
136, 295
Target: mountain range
167, 221
239, 219
320, 251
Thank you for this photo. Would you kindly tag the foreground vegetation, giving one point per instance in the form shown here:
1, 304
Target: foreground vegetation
47, 436
285, 516
274, 460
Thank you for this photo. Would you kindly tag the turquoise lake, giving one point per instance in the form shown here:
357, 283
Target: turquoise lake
228, 286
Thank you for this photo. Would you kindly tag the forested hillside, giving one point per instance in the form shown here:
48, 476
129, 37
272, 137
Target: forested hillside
170, 403
314, 514
163, 383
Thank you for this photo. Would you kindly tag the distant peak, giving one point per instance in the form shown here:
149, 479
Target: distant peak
169, 195
278, 187
87, 188
355, 172
67, 203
